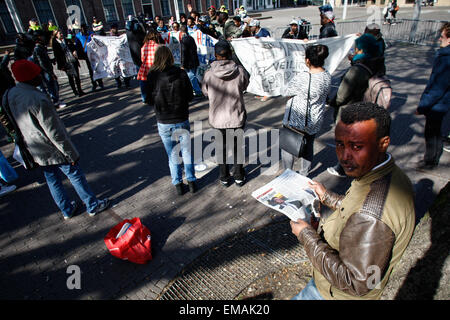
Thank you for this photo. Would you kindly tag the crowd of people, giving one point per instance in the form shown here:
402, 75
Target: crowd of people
378, 207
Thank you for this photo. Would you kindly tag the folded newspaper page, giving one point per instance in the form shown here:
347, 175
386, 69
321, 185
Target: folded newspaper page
291, 195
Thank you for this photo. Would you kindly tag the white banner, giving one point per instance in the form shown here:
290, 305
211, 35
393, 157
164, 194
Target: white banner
110, 57
205, 48
273, 63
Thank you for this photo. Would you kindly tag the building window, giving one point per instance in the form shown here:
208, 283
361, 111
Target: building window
128, 8
44, 11
147, 8
198, 6
109, 8
180, 6
78, 4
7, 21
165, 8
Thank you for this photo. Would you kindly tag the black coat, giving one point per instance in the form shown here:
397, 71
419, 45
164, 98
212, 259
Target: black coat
301, 34
60, 55
135, 42
170, 92
328, 30
189, 57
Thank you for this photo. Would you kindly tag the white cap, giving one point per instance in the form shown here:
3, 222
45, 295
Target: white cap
293, 22
329, 14
254, 23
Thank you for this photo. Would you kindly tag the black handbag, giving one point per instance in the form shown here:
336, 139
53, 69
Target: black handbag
291, 139
25, 155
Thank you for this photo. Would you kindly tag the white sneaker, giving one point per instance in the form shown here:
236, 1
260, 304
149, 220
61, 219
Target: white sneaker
4, 190
62, 105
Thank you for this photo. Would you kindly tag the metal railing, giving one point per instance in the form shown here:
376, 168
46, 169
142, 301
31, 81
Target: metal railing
420, 32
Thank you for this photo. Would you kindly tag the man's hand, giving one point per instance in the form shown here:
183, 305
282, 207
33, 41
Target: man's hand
297, 227
318, 188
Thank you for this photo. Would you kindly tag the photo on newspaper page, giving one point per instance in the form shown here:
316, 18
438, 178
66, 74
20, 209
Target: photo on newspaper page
291, 195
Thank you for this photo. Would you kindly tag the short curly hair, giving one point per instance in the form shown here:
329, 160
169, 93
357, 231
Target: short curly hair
363, 111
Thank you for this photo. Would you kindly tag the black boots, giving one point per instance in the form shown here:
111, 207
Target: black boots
180, 187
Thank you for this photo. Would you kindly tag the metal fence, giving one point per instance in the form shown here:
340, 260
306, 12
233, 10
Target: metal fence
420, 32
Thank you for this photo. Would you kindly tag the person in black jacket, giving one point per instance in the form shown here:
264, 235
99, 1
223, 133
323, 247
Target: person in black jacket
328, 28
169, 91
65, 60
294, 32
189, 59
135, 31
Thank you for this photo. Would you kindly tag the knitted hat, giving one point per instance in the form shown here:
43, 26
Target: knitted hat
24, 70
368, 44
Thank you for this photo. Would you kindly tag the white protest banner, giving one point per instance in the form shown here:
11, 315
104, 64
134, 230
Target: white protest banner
273, 63
110, 57
205, 48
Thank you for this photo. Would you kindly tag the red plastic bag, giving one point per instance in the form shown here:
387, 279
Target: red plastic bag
133, 243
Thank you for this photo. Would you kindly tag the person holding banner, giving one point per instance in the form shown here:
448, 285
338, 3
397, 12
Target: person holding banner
189, 59
147, 57
306, 109
82, 39
169, 90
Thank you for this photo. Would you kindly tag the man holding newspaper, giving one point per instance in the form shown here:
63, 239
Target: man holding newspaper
355, 249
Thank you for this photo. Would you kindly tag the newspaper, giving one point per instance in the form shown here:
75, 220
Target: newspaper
291, 195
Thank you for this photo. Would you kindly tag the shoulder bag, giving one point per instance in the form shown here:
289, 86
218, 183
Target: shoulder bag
293, 140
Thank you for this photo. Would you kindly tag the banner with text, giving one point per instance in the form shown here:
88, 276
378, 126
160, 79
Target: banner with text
110, 57
205, 48
273, 63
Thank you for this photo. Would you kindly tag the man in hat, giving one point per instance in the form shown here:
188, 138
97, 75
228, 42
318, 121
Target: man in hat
294, 32
328, 28
47, 139
224, 84
257, 31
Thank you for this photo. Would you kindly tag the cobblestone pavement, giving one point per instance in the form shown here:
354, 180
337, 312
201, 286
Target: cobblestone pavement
124, 159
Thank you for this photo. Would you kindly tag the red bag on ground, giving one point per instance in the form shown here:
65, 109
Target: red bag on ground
130, 240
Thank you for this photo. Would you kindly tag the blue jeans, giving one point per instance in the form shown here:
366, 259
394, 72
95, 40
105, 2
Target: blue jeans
168, 134
51, 86
192, 74
310, 292
54, 181
143, 85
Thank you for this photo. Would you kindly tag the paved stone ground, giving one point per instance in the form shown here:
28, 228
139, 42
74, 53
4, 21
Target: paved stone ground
124, 159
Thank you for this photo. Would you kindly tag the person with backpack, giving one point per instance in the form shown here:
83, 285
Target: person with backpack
367, 62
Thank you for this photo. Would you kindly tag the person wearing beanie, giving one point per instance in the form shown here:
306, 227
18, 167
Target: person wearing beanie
47, 139
328, 28
224, 84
